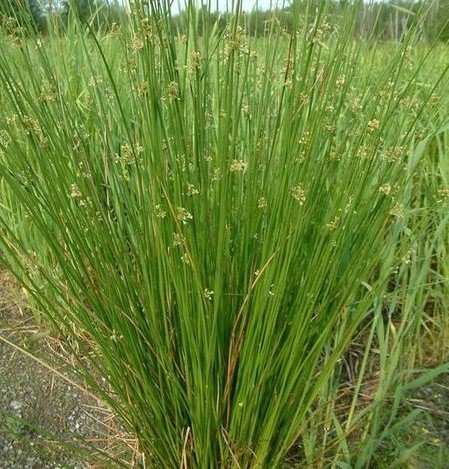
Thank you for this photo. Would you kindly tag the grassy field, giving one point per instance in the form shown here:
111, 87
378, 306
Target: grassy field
245, 238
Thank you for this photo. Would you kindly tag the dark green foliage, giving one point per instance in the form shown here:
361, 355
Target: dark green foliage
98, 13
17, 16
438, 24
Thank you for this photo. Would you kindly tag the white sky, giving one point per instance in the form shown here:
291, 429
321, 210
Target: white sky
249, 5
223, 5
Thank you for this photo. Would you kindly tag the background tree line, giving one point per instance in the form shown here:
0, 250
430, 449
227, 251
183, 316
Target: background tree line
385, 21
36, 14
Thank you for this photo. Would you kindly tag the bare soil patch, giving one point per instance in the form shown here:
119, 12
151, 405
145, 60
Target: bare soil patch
45, 421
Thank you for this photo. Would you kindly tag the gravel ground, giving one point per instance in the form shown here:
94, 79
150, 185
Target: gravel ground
44, 420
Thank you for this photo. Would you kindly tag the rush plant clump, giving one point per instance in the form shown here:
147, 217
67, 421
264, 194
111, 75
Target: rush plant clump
207, 217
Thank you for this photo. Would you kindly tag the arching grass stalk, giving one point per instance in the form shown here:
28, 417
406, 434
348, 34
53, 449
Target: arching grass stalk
195, 215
